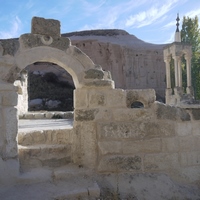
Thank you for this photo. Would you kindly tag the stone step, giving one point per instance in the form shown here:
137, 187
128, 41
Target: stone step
59, 136
70, 171
47, 190
44, 155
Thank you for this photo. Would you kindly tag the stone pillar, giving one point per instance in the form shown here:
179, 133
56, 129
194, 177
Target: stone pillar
188, 67
9, 164
168, 75
176, 71
179, 72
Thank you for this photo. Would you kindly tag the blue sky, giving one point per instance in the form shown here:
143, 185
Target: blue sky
150, 20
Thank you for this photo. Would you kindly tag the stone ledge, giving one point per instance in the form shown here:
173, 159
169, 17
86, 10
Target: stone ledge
47, 115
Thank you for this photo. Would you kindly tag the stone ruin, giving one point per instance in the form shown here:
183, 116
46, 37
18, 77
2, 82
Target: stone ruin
109, 135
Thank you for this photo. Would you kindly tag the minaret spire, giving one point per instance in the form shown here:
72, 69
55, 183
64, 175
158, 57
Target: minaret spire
177, 37
177, 22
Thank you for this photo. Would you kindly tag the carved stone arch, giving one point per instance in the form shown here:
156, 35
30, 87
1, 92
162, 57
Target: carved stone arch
48, 54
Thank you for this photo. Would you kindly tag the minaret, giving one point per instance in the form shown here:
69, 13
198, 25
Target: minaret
177, 37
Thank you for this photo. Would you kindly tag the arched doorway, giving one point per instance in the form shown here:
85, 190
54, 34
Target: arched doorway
44, 44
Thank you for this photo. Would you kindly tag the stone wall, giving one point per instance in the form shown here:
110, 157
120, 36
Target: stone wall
116, 138
9, 166
133, 63
22, 85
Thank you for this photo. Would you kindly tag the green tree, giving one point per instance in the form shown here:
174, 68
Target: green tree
190, 33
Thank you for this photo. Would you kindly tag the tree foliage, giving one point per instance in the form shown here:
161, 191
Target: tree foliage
190, 33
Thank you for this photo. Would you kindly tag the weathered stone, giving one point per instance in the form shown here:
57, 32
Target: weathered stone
187, 144
196, 114
164, 111
97, 99
142, 146
85, 115
9, 98
116, 98
134, 130
118, 52
9, 46
170, 145
104, 114
107, 147
120, 114
28, 41
12, 75
146, 97
81, 98
166, 128
88, 144
118, 163
191, 158
184, 128
10, 128
100, 83
45, 26
162, 161
94, 74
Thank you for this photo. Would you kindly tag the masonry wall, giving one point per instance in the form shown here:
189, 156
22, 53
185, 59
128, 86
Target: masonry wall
9, 165
157, 138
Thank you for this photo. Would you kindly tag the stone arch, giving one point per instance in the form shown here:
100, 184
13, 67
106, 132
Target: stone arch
45, 44
67, 61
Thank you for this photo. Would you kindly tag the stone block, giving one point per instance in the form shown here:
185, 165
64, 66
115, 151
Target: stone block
145, 96
135, 130
104, 114
108, 84
9, 98
197, 143
162, 161
192, 174
168, 112
28, 41
195, 128
45, 26
29, 116
88, 144
81, 98
97, 98
184, 128
49, 115
10, 128
196, 113
170, 145
187, 143
121, 130
39, 116
68, 115
166, 128
121, 114
110, 147
94, 74
116, 98
190, 158
85, 115
120, 163
9, 170
142, 146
